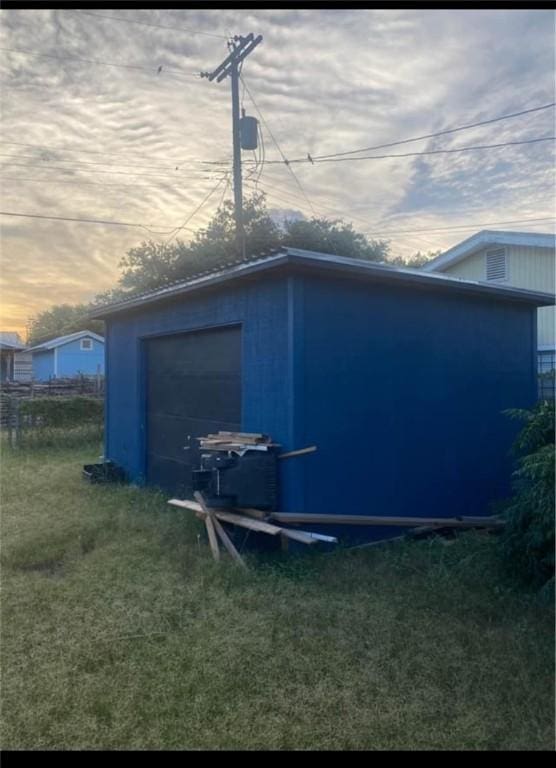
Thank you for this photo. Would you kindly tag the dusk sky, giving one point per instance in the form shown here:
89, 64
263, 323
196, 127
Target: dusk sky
127, 143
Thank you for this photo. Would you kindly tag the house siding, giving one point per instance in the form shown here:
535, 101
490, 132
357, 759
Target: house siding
23, 366
43, 365
72, 360
403, 393
401, 389
262, 309
528, 267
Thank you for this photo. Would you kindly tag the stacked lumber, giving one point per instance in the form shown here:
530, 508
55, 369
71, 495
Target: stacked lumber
236, 441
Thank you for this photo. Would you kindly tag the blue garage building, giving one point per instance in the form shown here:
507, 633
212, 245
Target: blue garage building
398, 377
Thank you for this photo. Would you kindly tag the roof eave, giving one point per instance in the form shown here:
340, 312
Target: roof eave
179, 290
326, 262
485, 238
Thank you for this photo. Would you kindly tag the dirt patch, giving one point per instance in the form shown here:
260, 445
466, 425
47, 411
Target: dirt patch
88, 543
53, 567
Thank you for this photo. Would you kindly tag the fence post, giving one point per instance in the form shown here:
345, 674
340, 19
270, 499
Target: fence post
14, 421
98, 379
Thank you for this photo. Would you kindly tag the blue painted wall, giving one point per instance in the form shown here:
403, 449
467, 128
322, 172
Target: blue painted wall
261, 307
43, 365
72, 360
403, 392
400, 388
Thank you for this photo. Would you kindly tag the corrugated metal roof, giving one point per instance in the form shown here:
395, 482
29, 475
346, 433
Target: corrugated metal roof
323, 262
487, 237
59, 340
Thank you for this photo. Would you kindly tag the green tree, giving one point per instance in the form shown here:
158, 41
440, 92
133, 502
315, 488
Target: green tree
152, 264
415, 261
60, 320
528, 537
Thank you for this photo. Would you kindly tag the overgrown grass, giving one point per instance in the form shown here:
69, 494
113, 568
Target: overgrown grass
40, 437
119, 631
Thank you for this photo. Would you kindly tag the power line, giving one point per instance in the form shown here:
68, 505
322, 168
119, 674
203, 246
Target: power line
96, 183
96, 162
434, 229
461, 226
86, 151
321, 210
442, 151
284, 159
153, 70
91, 170
150, 24
82, 221
188, 219
431, 135
417, 154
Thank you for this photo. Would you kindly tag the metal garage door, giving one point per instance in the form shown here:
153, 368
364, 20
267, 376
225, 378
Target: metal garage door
193, 388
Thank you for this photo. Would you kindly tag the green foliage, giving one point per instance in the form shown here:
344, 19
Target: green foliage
528, 538
539, 426
60, 320
152, 264
63, 411
415, 261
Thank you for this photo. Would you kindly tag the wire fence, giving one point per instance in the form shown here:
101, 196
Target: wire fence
62, 411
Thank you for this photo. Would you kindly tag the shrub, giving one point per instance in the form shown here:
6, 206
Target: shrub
62, 411
528, 538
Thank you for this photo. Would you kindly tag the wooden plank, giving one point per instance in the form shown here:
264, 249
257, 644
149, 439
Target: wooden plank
246, 435
228, 517
308, 537
301, 536
316, 519
219, 530
247, 522
260, 514
228, 543
186, 504
213, 541
300, 452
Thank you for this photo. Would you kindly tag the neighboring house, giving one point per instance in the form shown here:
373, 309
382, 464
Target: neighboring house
520, 259
393, 374
77, 353
11, 347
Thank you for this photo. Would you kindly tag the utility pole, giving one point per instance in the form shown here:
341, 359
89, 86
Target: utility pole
240, 47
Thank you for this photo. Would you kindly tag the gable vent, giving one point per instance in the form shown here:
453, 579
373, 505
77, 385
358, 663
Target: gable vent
496, 265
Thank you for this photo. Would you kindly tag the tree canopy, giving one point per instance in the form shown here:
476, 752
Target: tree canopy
60, 320
154, 264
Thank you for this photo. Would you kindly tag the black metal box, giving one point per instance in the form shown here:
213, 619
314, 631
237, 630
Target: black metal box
233, 480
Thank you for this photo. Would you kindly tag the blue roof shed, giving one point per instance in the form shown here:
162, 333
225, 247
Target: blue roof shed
399, 377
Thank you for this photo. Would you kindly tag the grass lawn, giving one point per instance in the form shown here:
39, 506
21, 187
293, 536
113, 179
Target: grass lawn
120, 632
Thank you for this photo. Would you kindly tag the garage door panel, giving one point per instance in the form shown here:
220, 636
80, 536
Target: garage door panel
193, 388
209, 396
171, 476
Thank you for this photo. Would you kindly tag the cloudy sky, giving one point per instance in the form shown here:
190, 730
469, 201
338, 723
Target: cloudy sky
127, 143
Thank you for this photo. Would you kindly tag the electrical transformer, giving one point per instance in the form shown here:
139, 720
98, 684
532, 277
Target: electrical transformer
248, 129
